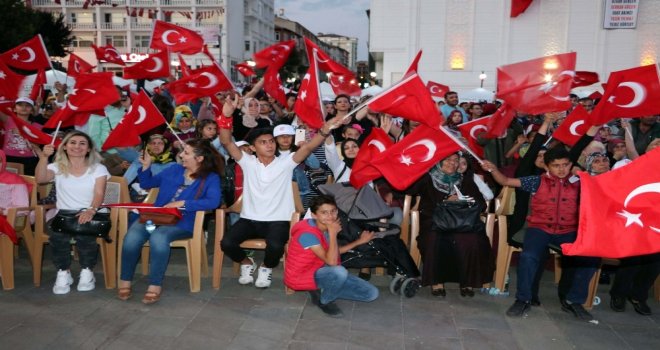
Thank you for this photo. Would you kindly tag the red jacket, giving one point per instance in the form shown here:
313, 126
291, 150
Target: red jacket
301, 264
555, 205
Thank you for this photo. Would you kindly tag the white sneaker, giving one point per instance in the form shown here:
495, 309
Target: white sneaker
246, 273
86, 281
63, 282
264, 278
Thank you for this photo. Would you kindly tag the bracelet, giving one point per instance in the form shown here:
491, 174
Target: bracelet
324, 134
224, 122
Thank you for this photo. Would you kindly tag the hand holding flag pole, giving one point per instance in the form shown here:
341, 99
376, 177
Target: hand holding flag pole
52, 142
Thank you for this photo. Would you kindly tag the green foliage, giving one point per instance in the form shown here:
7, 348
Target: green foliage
20, 24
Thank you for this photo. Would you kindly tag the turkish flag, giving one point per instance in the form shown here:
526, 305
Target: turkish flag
205, 81
324, 61
629, 93
373, 146
595, 95
273, 86
274, 55
10, 83
147, 208
185, 69
409, 99
308, 104
157, 65
519, 6
109, 54
30, 55
92, 92
406, 161
619, 211
344, 84
31, 133
538, 86
573, 127
500, 121
244, 69
583, 78
77, 66
140, 118
437, 89
415, 64
471, 130
172, 38
38, 85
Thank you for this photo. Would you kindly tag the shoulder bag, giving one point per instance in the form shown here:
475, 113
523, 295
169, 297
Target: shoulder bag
66, 221
457, 217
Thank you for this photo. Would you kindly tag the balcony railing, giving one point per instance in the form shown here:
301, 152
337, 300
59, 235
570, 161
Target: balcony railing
83, 26
207, 25
142, 50
113, 26
210, 2
45, 3
175, 2
142, 26
144, 3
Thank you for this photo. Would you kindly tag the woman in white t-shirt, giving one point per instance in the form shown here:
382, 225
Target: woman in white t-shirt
80, 180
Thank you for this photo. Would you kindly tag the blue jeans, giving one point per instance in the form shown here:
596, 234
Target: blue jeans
159, 252
335, 282
576, 268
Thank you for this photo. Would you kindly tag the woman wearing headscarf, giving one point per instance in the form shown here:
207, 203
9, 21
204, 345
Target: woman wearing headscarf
183, 125
465, 258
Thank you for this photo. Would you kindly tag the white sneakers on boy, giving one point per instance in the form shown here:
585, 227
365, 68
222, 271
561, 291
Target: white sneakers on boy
86, 282
246, 273
264, 278
63, 282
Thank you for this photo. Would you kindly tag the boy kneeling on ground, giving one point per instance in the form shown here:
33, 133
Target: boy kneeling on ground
313, 263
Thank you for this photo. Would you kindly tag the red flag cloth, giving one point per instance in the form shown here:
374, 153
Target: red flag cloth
10, 83
406, 161
38, 85
344, 84
92, 92
109, 54
629, 93
157, 65
573, 127
538, 86
471, 130
77, 66
30, 55
205, 81
373, 146
519, 6
274, 55
273, 86
437, 89
619, 211
308, 104
583, 78
185, 70
30, 132
7, 229
147, 208
140, 118
500, 121
415, 63
595, 95
244, 69
172, 38
409, 99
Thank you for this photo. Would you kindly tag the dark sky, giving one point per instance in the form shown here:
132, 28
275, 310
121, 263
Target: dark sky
343, 17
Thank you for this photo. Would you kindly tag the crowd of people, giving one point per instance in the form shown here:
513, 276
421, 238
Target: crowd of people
254, 148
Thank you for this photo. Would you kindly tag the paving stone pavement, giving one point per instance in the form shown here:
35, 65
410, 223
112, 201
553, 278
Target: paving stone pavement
243, 317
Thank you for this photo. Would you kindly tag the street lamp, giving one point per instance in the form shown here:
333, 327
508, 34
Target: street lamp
251, 63
482, 77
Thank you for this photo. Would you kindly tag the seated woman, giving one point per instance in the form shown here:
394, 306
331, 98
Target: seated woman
161, 158
183, 124
193, 185
80, 179
465, 258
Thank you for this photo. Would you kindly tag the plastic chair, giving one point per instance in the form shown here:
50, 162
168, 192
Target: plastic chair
196, 255
116, 191
16, 168
21, 225
405, 222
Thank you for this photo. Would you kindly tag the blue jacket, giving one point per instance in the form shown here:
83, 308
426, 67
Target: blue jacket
170, 179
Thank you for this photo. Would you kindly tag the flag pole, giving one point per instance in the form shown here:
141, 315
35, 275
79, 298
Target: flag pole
50, 63
52, 142
547, 142
460, 143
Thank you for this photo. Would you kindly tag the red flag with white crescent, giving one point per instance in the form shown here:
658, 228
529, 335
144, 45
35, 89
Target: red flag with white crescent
471, 131
30, 55
202, 82
342, 79
77, 66
573, 127
108, 54
30, 132
244, 69
38, 85
308, 104
157, 65
140, 118
500, 121
437, 89
372, 147
619, 211
173, 38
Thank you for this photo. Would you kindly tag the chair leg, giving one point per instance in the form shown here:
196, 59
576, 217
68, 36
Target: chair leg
205, 262
145, 261
38, 251
7, 262
236, 268
109, 263
557, 268
218, 254
195, 266
380, 271
593, 289
502, 266
656, 289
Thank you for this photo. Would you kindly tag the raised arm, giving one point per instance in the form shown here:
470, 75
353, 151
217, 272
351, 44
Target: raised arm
304, 151
41, 173
255, 89
630, 143
225, 122
499, 177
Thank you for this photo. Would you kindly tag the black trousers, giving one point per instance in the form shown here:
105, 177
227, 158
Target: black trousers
276, 234
636, 276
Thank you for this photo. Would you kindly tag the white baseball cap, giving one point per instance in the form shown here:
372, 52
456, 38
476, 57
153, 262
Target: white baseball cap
241, 143
283, 129
24, 99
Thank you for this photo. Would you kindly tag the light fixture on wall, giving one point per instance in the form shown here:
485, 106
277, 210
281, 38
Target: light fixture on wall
482, 77
457, 63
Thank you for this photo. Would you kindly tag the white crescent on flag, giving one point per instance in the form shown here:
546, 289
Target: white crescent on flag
142, 115
31, 54
430, 146
213, 80
158, 66
574, 126
166, 34
638, 89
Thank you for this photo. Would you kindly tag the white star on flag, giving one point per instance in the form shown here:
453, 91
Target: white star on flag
14, 56
183, 39
303, 94
631, 218
406, 160
191, 84
2, 75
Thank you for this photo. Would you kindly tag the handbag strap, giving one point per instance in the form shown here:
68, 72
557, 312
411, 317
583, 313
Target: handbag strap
343, 170
199, 189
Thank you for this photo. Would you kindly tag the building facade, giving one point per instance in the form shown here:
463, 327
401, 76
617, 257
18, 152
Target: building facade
347, 43
286, 29
227, 27
462, 38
